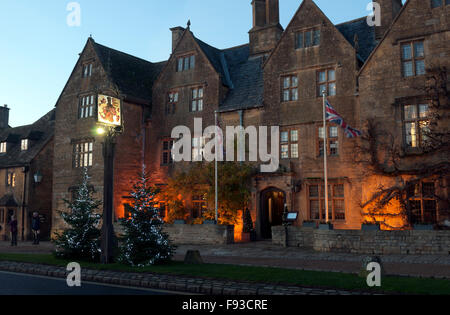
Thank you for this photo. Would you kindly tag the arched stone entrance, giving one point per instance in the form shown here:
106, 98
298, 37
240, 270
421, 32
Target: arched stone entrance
271, 210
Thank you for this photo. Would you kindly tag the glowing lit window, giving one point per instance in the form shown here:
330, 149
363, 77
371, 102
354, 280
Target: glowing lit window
83, 154
416, 125
3, 147
11, 179
24, 144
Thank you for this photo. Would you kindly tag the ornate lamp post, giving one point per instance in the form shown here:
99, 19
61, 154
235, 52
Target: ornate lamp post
110, 125
108, 237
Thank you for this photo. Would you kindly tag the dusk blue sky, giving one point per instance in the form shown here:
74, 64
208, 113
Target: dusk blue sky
38, 50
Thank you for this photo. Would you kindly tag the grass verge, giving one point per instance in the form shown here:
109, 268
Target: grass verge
317, 279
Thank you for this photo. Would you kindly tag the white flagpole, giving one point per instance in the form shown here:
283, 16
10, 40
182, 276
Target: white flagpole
325, 153
216, 177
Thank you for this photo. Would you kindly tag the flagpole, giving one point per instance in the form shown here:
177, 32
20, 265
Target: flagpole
215, 170
325, 153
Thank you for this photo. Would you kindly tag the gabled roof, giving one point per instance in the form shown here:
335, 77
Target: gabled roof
133, 76
216, 57
247, 78
364, 33
242, 75
388, 31
42, 131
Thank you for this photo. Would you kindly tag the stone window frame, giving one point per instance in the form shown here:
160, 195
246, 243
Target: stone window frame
185, 62
416, 194
173, 98
292, 90
414, 59
195, 97
332, 138
291, 141
80, 155
87, 105
304, 32
328, 82
441, 4
417, 121
166, 155
333, 199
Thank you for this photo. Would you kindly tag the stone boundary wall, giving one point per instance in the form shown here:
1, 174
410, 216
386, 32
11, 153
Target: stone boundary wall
365, 242
204, 234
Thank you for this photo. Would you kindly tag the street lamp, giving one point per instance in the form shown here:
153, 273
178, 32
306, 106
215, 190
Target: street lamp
108, 237
38, 177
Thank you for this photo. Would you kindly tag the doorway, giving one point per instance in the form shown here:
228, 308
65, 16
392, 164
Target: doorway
272, 208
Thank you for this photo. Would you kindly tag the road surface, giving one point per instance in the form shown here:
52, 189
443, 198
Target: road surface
24, 284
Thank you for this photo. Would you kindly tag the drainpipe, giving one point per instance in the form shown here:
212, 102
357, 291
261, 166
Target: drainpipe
25, 181
241, 124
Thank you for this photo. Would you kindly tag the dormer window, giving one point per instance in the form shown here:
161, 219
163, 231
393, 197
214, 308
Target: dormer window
186, 63
87, 70
3, 147
24, 144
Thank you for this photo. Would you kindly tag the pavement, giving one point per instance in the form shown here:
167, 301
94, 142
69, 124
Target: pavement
265, 254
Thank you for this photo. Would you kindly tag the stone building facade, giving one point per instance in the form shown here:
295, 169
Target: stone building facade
277, 79
26, 172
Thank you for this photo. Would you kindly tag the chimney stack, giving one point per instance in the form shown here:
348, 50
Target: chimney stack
4, 117
266, 29
389, 11
177, 32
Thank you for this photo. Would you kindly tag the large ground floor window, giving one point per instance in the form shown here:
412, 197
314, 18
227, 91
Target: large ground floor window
336, 202
422, 203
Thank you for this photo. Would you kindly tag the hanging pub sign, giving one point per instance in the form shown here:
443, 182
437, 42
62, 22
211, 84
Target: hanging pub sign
109, 110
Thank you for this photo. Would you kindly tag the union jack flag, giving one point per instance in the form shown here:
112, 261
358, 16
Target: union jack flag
333, 116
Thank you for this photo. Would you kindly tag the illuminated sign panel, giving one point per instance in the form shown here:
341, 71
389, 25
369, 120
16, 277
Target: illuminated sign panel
109, 111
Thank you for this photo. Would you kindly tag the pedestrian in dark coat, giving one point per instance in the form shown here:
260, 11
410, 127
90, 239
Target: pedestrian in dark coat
14, 230
36, 227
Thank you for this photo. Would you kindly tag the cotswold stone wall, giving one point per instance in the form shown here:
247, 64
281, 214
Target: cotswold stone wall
206, 234
366, 242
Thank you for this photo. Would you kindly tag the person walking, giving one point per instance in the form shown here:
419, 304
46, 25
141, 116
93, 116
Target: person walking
36, 227
14, 230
